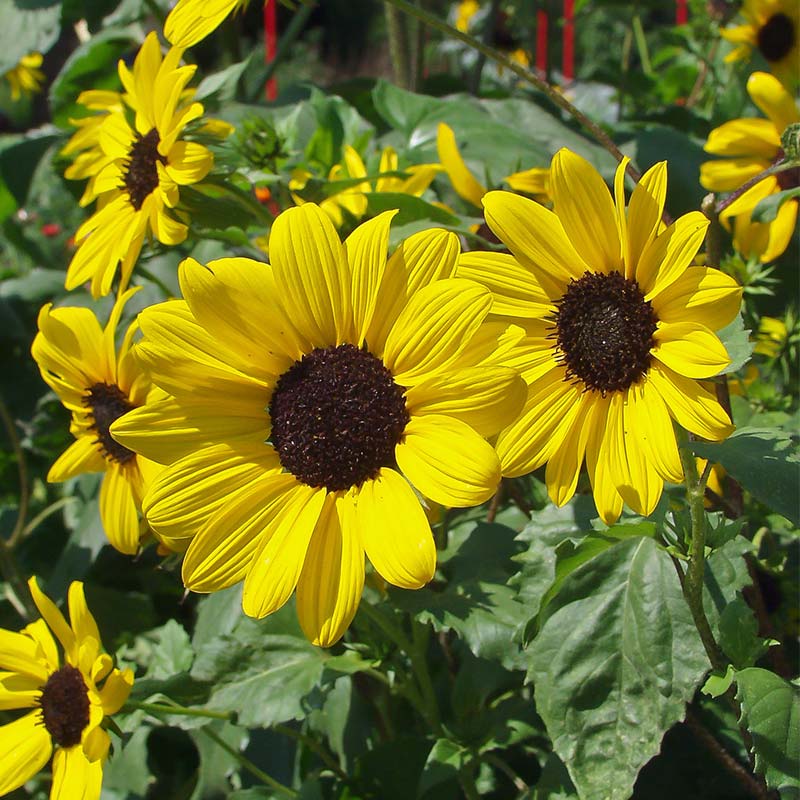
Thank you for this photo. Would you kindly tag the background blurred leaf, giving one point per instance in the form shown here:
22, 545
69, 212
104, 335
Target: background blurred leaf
27, 26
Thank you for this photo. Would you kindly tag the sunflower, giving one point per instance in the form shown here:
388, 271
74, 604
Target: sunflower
534, 181
70, 698
192, 20
26, 78
619, 333
773, 28
351, 203
97, 383
312, 404
751, 146
145, 164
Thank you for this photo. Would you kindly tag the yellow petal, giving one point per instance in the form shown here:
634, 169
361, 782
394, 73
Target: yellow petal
118, 510
82, 456
74, 776
772, 97
583, 204
394, 531
220, 554
434, 327
606, 497
728, 174
332, 579
670, 253
20, 653
462, 179
53, 617
744, 137
644, 213
276, 566
651, 424
485, 398
515, 290
81, 619
536, 238
689, 349
115, 690
690, 403
448, 461
699, 294
781, 230
190, 21
188, 162
312, 274
25, 748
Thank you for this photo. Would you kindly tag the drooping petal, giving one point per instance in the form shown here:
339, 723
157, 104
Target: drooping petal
74, 776
330, 585
584, 205
772, 97
115, 690
606, 497
118, 510
463, 180
53, 617
394, 531
25, 748
448, 461
82, 456
744, 138
20, 653
188, 162
276, 565
690, 349
651, 424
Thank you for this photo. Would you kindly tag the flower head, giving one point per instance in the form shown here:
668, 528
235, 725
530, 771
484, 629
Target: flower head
97, 383
143, 165
312, 402
192, 20
773, 28
26, 78
620, 333
750, 146
70, 692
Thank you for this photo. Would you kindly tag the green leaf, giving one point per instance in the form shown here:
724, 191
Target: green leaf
614, 665
412, 209
19, 159
221, 86
738, 634
717, 685
767, 209
771, 712
27, 26
736, 340
765, 462
445, 760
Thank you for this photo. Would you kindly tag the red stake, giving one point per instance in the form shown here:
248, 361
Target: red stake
681, 12
541, 41
568, 57
270, 44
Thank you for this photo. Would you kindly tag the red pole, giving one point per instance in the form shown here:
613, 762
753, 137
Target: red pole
541, 41
681, 12
270, 44
568, 52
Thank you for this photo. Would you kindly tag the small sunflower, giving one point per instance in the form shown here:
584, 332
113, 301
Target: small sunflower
192, 20
619, 333
26, 78
313, 403
144, 165
534, 181
97, 383
70, 698
751, 146
773, 28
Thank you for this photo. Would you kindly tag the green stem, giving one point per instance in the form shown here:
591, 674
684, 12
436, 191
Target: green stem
641, 44
714, 235
774, 169
313, 745
695, 572
42, 516
499, 58
419, 664
398, 45
183, 711
489, 28
249, 766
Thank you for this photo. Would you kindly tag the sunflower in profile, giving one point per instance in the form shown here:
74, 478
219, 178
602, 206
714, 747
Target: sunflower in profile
145, 163
620, 333
312, 404
534, 181
26, 78
69, 695
750, 146
772, 28
192, 20
97, 383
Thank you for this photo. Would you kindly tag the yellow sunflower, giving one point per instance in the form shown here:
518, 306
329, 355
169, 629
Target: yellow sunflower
26, 78
70, 698
534, 181
620, 332
751, 146
145, 164
352, 202
192, 20
773, 28
313, 403
97, 383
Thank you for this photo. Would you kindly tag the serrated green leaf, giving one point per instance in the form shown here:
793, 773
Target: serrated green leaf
765, 462
736, 340
614, 664
767, 209
771, 712
738, 634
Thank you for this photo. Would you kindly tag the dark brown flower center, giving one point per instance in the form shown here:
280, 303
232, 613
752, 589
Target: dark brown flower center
141, 173
776, 37
337, 416
789, 178
65, 706
604, 329
108, 403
